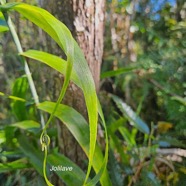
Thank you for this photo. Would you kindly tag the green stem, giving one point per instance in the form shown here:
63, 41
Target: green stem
26, 67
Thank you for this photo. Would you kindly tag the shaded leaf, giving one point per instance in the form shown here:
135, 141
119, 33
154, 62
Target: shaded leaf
7, 6
116, 72
116, 171
72, 178
20, 88
34, 156
131, 115
14, 165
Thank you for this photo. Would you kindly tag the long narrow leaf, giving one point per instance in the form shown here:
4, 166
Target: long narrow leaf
72, 178
54, 62
14, 165
60, 65
131, 115
35, 156
3, 25
29, 125
80, 130
116, 72
12, 97
59, 32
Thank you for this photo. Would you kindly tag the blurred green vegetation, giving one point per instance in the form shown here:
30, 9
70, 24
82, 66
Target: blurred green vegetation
142, 93
145, 41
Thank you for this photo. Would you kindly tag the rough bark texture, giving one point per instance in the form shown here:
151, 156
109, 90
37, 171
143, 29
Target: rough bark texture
85, 19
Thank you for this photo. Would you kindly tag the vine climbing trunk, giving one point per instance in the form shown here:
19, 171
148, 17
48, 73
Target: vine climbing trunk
85, 19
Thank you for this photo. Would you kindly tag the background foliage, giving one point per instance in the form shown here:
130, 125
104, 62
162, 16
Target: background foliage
142, 93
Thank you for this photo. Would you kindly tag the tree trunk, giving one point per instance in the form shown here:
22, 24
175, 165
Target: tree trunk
85, 19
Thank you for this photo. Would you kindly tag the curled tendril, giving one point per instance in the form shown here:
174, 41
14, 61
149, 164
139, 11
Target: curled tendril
44, 140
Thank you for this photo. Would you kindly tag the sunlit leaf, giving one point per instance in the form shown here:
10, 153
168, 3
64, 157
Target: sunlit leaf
60, 65
26, 125
59, 32
2, 94
16, 98
3, 28
80, 130
12, 97
2, 136
54, 62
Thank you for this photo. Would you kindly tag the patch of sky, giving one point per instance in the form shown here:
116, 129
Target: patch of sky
158, 4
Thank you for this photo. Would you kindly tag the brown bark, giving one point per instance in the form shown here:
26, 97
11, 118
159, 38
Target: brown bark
85, 19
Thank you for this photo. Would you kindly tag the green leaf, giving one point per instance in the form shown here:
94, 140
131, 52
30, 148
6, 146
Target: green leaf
116, 72
52, 61
59, 32
179, 99
127, 136
103, 171
116, 124
72, 178
2, 94
78, 126
26, 125
60, 65
131, 115
20, 88
7, 6
12, 97
115, 170
17, 98
3, 25
76, 177
14, 165
2, 136
3, 28
34, 156
117, 145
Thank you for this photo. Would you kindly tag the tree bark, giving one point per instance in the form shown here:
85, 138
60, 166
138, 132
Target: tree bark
85, 19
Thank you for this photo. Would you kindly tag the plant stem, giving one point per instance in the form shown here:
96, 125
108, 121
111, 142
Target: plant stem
26, 67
